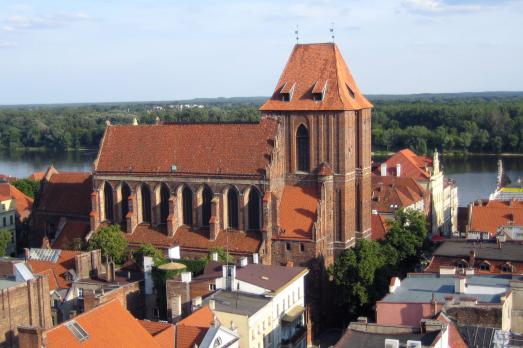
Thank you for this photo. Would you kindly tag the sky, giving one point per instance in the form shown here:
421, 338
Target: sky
65, 51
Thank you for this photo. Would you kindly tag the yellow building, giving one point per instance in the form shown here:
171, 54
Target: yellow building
7, 219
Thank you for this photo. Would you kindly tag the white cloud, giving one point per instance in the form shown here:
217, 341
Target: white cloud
8, 44
444, 7
24, 22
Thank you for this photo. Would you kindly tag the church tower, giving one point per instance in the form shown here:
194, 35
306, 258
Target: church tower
327, 140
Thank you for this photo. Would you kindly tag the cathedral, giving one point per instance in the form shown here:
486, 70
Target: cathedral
291, 189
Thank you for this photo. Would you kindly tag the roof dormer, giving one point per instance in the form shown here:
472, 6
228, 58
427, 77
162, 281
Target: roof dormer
287, 91
319, 90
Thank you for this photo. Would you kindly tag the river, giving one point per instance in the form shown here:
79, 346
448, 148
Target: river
475, 175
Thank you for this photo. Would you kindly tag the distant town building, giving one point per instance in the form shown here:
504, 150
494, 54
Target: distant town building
488, 257
430, 333
469, 299
427, 172
506, 190
391, 193
495, 219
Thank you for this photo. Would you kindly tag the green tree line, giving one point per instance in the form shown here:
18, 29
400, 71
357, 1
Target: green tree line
465, 125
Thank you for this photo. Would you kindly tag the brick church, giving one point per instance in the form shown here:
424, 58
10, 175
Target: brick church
292, 188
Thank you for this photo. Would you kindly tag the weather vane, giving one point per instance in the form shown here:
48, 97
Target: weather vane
332, 31
296, 32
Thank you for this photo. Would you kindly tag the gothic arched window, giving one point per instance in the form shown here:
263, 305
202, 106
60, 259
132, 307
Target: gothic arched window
146, 203
232, 208
165, 194
187, 206
253, 209
108, 202
206, 205
302, 148
125, 193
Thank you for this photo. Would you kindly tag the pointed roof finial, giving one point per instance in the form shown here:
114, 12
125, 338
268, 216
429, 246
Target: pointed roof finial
135, 122
297, 32
332, 31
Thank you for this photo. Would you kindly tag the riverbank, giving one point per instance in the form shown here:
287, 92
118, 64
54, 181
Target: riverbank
455, 154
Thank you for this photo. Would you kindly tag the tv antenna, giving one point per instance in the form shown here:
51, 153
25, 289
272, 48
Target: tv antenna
332, 31
297, 32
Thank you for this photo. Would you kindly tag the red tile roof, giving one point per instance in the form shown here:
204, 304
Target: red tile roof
309, 67
108, 325
37, 176
196, 240
390, 193
24, 203
412, 165
71, 231
455, 339
163, 333
208, 149
489, 216
67, 193
191, 330
55, 270
379, 227
298, 212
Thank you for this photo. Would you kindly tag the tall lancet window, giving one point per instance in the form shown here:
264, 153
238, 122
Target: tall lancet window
302, 148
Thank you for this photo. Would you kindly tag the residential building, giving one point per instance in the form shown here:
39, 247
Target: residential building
163, 333
61, 212
24, 302
391, 193
108, 325
495, 219
8, 215
429, 333
488, 257
379, 225
203, 329
427, 172
484, 300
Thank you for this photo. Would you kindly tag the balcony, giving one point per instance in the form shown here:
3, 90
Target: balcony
297, 340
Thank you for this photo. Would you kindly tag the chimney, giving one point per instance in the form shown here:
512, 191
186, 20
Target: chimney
472, 258
186, 277
383, 169
110, 271
214, 256
460, 283
229, 276
398, 169
395, 283
212, 304
26, 253
255, 258
30, 337
244, 262
147, 270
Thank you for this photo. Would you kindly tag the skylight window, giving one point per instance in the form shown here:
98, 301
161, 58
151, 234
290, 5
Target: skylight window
77, 330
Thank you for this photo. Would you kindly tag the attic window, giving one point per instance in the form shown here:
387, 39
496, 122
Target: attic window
77, 330
506, 268
287, 91
484, 266
351, 91
319, 90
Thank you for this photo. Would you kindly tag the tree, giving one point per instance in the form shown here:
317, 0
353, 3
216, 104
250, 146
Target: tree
149, 250
111, 241
27, 186
5, 239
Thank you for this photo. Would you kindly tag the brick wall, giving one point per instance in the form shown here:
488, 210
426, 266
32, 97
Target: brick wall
26, 304
129, 295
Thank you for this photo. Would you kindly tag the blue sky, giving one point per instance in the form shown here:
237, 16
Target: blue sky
115, 50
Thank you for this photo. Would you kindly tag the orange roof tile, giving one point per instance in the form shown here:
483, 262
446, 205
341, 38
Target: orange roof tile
455, 339
191, 330
108, 325
412, 165
488, 217
36, 176
298, 212
55, 270
163, 333
72, 230
67, 193
379, 227
23, 202
239, 149
238, 242
390, 193
309, 67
